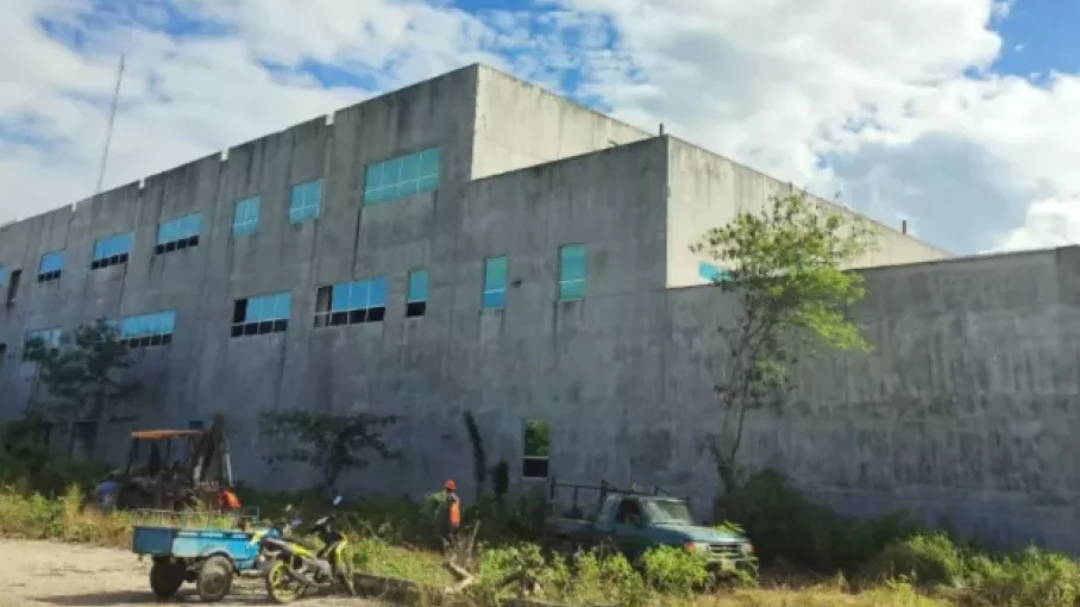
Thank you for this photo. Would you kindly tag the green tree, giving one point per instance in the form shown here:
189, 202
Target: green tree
335, 444
84, 380
785, 268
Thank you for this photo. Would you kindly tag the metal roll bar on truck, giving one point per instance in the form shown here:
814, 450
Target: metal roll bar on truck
633, 521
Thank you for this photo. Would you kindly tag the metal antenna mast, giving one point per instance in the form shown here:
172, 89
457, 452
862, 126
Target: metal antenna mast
109, 129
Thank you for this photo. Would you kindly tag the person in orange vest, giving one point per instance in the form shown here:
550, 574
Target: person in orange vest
451, 516
228, 501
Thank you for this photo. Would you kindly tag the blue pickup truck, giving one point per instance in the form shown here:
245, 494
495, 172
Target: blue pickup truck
634, 522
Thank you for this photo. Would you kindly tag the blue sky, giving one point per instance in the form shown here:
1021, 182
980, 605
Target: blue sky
963, 133
1040, 36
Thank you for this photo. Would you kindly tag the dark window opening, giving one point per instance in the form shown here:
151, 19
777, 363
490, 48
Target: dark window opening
47, 276
415, 308
537, 449
239, 311
13, 287
629, 512
177, 245
147, 341
115, 260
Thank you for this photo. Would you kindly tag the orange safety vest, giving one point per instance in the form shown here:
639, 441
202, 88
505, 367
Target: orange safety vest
455, 512
229, 501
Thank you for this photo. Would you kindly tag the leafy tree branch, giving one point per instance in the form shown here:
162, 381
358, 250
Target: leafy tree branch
83, 379
786, 270
334, 444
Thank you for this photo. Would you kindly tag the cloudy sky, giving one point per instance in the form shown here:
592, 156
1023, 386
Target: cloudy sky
961, 116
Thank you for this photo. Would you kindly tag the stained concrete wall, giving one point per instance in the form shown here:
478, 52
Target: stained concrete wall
519, 124
708, 191
966, 409
203, 370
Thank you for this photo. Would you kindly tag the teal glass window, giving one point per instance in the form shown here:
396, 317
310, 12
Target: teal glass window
350, 303
402, 176
179, 233
262, 314
494, 293
417, 294
50, 266
246, 217
111, 251
712, 273
145, 330
49, 338
304, 201
572, 264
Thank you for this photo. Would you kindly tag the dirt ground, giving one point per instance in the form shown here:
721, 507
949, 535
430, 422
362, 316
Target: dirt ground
69, 575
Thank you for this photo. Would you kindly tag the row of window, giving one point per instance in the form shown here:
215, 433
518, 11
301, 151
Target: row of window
346, 303
383, 182
140, 331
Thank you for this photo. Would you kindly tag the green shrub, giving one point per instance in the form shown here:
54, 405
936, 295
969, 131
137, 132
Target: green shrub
675, 571
31, 517
604, 579
1031, 577
783, 523
924, 559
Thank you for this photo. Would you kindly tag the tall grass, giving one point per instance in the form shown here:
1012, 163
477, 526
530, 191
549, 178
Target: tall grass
393, 538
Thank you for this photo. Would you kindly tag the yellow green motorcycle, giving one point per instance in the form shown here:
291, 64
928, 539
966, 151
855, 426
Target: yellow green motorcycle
298, 566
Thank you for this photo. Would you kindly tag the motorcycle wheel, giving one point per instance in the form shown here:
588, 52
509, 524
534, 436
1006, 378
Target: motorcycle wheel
281, 587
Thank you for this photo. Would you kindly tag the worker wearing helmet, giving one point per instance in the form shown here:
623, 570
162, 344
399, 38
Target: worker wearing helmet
450, 519
228, 500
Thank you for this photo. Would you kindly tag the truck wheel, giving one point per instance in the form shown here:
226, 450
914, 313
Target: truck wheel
166, 577
215, 578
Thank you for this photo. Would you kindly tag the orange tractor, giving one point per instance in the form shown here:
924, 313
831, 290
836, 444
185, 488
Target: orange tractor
175, 469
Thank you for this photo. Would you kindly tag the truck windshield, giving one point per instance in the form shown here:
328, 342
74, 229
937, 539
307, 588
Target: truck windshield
669, 513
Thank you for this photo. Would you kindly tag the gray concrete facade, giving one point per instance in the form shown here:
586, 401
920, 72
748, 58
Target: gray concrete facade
963, 408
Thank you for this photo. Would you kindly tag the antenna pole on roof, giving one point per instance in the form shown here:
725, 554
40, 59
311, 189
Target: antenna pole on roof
109, 128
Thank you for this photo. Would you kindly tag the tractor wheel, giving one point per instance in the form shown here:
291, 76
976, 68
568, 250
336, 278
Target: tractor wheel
166, 577
214, 579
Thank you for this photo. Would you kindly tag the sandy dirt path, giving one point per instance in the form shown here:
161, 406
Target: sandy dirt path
48, 574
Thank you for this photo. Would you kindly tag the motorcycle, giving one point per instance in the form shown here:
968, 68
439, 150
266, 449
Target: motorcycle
298, 566
276, 529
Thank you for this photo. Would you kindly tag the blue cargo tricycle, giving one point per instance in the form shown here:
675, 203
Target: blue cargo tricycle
209, 557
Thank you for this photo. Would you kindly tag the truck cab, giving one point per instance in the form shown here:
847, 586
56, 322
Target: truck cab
634, 522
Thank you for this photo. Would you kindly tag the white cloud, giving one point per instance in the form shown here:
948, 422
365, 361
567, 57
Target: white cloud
960, 152
895, 95
184, 97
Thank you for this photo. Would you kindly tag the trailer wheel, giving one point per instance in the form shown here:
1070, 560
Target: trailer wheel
215, 578
166, 577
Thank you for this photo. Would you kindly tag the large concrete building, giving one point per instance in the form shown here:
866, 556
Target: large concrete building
474, 243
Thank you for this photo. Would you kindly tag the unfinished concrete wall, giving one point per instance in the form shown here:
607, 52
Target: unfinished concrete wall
519, 124
708, 191
966, 409
204, 370
534, 358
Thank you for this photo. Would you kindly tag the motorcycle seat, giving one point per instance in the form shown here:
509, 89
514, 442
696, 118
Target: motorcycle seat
304, 544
